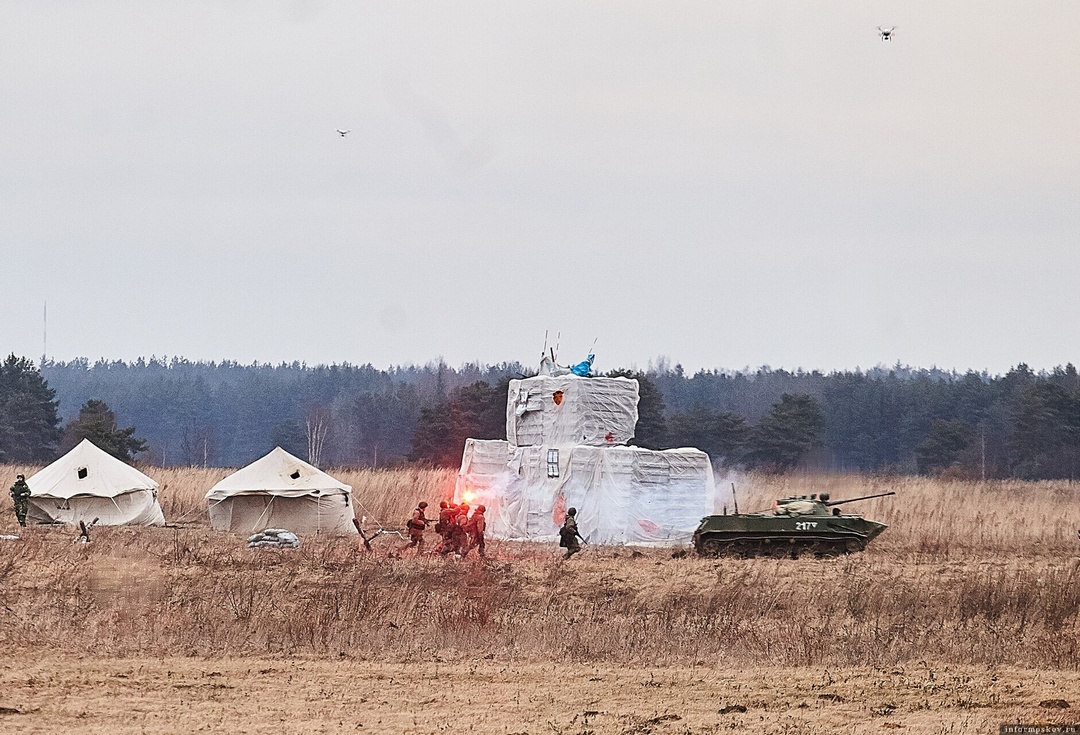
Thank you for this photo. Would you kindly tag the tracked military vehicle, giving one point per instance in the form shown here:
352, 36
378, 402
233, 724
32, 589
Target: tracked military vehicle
795, 526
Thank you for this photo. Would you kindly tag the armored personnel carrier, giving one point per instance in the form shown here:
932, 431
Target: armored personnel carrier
796, 525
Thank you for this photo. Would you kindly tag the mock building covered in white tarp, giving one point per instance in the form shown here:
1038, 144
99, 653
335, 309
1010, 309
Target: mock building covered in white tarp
568, 410
281, 491
88, 484
624, 495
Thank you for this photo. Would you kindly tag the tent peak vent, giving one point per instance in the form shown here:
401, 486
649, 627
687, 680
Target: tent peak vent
82, 472
295, 474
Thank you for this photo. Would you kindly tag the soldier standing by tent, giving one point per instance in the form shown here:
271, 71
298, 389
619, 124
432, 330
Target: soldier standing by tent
20, 496
416, 527
568, 534
475, 528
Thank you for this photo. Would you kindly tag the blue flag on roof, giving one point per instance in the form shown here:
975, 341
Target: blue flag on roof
583, 368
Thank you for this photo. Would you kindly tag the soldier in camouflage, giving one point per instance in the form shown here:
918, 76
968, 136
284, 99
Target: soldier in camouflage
568, 534
416, 527
475, 528
20, 496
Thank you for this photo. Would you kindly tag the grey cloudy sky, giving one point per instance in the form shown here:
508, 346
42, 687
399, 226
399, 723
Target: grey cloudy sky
725, 184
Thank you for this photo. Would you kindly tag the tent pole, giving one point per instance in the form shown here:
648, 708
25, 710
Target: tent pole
261, 515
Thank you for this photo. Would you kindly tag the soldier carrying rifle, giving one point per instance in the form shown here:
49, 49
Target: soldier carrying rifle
568, 534
458, 539
475, 529
20, 496
416, 527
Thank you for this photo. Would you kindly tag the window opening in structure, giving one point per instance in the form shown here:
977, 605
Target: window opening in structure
82, 472
553, 463
295, 474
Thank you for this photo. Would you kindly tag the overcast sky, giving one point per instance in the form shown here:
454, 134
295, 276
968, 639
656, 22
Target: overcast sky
724, 184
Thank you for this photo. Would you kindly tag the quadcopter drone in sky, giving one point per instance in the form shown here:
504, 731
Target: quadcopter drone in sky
886, 33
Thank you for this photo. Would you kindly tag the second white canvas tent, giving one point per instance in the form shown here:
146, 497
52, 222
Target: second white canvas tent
281, 491
89, 484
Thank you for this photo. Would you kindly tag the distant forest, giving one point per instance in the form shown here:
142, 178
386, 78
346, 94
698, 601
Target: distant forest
900, 419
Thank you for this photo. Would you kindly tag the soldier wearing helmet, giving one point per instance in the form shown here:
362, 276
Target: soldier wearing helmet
416, 527
20, 496
475, 528
459, 537
445, 524
568, 534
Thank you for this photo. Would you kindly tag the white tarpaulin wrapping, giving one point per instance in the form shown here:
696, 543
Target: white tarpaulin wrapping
484, 474
624, 495
88, 483
281, 491
568, 410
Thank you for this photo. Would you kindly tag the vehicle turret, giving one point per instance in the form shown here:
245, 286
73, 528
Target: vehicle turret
815, 505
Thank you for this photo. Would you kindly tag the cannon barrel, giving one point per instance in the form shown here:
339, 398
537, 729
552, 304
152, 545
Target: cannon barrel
852, 500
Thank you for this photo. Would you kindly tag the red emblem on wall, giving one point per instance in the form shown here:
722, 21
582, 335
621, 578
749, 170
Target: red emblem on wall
558, 513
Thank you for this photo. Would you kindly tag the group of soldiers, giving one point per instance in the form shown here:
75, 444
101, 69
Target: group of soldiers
460, 532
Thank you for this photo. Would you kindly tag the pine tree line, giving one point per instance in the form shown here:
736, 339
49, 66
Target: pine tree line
1021, 424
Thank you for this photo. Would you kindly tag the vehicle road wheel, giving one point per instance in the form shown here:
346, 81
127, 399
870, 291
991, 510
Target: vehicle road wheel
711, 547
744, 549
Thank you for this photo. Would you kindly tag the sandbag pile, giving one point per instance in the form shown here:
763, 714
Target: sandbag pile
274, 538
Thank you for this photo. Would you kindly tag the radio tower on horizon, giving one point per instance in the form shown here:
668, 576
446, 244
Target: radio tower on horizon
44, 333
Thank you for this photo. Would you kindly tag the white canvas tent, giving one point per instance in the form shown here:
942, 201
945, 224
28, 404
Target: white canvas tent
624, 495
86, 484
281, 491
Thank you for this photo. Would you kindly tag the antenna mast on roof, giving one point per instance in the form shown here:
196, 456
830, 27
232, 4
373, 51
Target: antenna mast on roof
558, 338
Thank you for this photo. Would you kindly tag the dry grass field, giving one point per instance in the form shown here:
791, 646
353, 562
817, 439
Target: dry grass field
963, 615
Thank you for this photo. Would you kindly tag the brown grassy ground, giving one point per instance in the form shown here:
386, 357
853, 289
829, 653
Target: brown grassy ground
978, 583
53, 694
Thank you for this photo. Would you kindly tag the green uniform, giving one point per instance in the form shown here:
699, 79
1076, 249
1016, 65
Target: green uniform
568, 537
417, 525
475, 528
20, 495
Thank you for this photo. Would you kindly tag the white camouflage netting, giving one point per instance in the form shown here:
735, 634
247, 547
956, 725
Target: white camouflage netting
593, 411
624, 495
